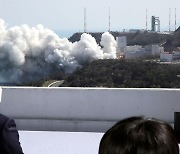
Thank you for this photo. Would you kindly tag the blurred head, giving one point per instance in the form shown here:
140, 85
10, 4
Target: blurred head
137, 135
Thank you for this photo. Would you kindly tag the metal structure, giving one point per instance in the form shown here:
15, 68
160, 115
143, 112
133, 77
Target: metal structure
155, 24
121, 46
109, 19
169, 19
146, 20
85, 23
175, 19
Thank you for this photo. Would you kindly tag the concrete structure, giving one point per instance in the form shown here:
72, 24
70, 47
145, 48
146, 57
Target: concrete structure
137, 30
166, 57
133, 48
169, 57
85, 109
136, 54
121, 46
153, 50
156, 50
137, 51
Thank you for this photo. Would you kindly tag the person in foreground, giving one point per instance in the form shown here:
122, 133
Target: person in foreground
138, 135
9, 137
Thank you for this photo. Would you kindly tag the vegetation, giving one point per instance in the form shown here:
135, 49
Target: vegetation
129, 74
173, 41
46, 80
125, 74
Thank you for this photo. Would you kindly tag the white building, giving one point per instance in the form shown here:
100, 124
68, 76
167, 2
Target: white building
134, 54
156, 50
136, 51
121, 45
169, 57
133, 48
137, 30
153, 50
166, 57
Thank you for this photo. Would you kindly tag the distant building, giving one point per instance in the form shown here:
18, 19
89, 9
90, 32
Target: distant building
133, 48
169, 57
137, 30
166, 57
136, 54
121, 46
154, 50
136, 51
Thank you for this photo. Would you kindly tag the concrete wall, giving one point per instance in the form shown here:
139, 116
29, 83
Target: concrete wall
85, 109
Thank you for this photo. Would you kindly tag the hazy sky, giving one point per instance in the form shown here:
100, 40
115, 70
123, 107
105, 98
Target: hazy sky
68, 15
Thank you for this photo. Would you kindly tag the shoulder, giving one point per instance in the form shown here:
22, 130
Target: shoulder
7, 123
3, 120
3, 116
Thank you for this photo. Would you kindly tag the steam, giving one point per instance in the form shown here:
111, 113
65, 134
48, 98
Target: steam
109, 46
31, 53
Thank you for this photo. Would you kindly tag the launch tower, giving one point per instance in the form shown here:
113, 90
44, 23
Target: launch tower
155, 24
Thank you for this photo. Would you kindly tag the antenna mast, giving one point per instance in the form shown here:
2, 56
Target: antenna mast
146, 20
85, 24
175, 18
169, 19
109, 19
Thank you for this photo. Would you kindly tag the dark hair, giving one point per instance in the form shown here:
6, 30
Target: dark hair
137, 135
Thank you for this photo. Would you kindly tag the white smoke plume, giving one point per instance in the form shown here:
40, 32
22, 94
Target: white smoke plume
30, 53
109, 46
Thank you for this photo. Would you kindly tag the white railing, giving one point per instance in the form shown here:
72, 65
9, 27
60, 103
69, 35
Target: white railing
85, 109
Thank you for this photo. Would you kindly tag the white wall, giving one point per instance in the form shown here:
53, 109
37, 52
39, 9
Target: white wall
85, 109
166, 57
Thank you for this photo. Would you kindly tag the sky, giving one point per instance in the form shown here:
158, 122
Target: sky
67, 16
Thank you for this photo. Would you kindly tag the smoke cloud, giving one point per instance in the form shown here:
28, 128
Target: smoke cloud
30, 53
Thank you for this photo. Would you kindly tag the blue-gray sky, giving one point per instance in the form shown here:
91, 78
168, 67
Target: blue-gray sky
68, 15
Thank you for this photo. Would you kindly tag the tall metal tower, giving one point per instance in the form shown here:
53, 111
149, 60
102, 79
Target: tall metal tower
155, 24
109, 19
175, 19
169, 19
146, 20
85, 23
153, 28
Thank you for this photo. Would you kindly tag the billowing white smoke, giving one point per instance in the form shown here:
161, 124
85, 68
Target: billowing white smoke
109, 46
86, 50
30, 53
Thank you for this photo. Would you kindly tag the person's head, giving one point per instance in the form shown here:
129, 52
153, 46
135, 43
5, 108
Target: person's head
138, 135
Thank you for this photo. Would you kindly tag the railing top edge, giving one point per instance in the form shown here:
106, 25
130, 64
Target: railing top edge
94, 88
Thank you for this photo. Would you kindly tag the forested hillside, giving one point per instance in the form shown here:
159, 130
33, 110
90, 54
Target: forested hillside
173, 41
131, 74
125, 74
